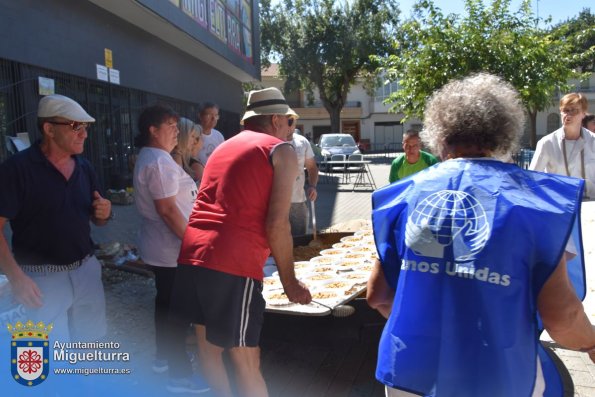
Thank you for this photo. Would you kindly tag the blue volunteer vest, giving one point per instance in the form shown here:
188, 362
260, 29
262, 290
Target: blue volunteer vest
468, 245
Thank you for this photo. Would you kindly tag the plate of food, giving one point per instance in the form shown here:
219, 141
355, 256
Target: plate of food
271, 282
366, 267
323, 269
355, 289
356, 255
351, 239
318, 278
356, 277
348, 264
364, 249
303, 267
276, 298
336, 285
300, 267
325, 295
333, 252
323, 260
344, 245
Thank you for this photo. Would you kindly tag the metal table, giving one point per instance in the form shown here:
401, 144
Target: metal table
359, 168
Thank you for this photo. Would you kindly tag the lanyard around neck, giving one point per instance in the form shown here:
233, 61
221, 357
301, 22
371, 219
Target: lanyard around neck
566, 159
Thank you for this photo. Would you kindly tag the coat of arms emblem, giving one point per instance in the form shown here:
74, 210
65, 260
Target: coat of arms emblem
29, 352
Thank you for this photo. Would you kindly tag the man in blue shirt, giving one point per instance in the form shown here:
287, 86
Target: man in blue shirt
49, 195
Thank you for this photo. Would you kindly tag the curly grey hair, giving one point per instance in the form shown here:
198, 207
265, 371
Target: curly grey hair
481, 111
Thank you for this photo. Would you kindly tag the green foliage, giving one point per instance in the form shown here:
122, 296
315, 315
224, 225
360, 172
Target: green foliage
579, 33
247, 87
326, 44
432, 48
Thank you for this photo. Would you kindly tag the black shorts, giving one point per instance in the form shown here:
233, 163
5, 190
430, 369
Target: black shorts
230, 307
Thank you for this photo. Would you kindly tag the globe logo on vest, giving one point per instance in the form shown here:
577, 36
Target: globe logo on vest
448, 218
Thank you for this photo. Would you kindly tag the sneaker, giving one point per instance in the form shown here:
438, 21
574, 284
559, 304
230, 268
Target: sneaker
194, 384
160, 366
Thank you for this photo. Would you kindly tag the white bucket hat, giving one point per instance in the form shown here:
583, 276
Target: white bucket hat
61, 106
267, 101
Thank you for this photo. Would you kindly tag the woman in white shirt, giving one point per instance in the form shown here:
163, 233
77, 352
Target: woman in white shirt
569, 150
164, 196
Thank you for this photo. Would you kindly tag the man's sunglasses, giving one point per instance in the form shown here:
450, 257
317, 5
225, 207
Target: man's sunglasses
75, 125
290, 121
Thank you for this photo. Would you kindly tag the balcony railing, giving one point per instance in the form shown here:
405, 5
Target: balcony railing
318, 104
579, 88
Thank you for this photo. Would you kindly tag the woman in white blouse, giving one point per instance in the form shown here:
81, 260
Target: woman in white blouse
164, 196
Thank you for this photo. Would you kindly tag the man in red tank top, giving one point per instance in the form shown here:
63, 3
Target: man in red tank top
241, 215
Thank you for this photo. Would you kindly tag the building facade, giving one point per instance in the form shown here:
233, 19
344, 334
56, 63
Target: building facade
364, 116
370, 121
116, 57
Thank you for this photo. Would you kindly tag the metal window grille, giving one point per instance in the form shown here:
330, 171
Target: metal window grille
116, 109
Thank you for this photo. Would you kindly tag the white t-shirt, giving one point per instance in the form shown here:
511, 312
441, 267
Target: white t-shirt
157, 176
210, 143
304, 151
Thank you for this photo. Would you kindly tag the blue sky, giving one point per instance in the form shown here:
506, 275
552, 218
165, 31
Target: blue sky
559, 10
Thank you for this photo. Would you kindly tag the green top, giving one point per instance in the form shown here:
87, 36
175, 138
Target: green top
400, 168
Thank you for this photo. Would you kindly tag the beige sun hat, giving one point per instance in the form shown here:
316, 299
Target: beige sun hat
61, 106
267, 101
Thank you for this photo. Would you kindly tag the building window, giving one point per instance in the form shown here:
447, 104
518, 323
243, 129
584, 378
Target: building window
293, 98
384, 91
388, 136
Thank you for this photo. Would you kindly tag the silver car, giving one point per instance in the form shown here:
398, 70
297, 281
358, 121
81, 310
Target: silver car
330, 144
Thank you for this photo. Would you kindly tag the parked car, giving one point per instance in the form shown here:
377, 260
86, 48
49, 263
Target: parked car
330, 144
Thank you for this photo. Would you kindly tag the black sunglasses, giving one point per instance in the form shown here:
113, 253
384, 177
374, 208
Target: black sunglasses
290, 121
75, 125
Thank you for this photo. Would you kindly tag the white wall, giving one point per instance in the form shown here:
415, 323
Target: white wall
374, 112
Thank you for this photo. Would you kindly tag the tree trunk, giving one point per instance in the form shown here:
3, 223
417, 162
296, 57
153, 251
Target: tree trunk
335, 115
532, 128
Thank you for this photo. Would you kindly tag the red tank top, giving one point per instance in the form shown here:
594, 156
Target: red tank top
226, 230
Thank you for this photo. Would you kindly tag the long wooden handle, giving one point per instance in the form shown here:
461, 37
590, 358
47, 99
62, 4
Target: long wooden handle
313, 207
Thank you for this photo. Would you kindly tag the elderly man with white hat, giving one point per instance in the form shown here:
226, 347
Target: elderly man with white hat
49, 195
241, 215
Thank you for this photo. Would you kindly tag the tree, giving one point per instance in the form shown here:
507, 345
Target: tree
431, 49
326, 44
579, 33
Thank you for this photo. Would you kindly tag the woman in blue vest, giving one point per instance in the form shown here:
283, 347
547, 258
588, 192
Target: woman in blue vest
474, 258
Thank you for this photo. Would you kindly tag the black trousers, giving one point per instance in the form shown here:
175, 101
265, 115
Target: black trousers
164, 283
